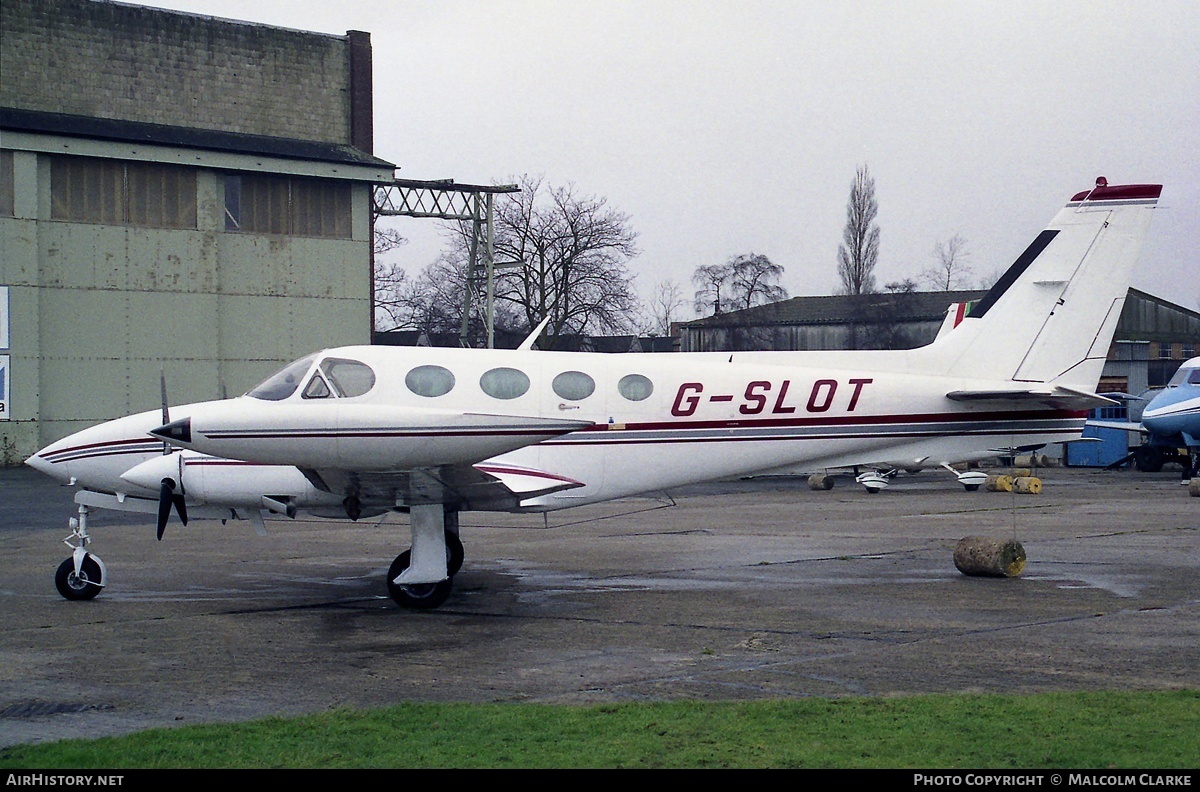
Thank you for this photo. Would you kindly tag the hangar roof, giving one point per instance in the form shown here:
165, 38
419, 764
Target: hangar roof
35, 121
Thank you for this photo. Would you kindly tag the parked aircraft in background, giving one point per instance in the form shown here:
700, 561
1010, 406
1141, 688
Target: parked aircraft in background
354, 431
1170, 422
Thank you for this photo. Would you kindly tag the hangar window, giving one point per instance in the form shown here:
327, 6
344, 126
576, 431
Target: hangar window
291, 206
504, 383
284, 382
7, 185
111, 192
574, 385
430, 381
635, 387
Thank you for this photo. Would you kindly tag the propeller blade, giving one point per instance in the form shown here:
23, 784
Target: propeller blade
180, 508
166, 414
165, 498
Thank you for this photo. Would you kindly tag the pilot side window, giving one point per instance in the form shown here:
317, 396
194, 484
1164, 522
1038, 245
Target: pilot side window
430, 381
504, 383
574, 385
339, 379
348, 377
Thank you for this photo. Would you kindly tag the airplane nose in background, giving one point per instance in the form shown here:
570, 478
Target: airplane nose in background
178, 431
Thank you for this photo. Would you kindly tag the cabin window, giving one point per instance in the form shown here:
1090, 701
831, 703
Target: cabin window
1194, 377
430, 381
635, 387
350, 377
574, 385
504, 383
284, 382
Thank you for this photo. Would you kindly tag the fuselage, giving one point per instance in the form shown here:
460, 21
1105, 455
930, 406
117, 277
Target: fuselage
618, 424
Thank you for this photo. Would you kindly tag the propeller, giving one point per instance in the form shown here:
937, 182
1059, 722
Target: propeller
167, 496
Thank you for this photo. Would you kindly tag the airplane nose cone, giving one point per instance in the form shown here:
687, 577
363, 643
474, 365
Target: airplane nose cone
43, 465
177, 431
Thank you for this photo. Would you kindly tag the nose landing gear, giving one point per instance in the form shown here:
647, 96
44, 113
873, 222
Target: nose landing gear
82, 576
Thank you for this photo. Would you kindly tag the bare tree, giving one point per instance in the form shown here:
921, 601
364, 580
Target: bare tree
558, 254
859, 250
389, 281
664, 307
741, 282
571, 253
710, 281
951, 265
883, 314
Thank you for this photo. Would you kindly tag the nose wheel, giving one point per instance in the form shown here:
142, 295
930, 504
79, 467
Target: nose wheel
81, 584
80, 577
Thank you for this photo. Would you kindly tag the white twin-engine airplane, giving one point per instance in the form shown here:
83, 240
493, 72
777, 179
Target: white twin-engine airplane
362, 430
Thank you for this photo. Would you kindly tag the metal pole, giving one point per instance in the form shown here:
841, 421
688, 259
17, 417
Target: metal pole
466, 317
491, 279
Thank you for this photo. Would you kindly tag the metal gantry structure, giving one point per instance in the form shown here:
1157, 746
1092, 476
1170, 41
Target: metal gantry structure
448, 200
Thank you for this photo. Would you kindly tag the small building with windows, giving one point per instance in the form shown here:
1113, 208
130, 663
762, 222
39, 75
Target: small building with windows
178, 194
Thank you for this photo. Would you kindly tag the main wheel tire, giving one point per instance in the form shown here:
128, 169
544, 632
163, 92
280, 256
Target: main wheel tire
420, 596
1148, 459
83, 586
424, 596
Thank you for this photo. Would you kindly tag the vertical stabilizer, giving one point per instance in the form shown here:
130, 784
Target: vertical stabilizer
1051, 317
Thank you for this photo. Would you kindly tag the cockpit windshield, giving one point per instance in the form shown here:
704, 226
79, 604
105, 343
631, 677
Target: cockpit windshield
284, 382
1190, 376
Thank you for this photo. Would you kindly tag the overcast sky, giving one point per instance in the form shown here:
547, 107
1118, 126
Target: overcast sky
724, 128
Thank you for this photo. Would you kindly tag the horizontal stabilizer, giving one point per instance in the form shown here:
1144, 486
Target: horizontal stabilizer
1127, 426
1058, 397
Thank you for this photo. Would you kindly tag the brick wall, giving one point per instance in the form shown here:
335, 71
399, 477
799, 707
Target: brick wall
108, 60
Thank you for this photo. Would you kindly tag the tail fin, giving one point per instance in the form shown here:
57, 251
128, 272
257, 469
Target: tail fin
1051, 317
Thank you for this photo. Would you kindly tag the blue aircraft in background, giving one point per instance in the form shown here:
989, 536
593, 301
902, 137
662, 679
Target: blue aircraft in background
1170, 423
1172, 418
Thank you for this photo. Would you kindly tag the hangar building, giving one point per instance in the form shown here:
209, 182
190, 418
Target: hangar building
177, 193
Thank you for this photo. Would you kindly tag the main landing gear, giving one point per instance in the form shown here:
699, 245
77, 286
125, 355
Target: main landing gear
422, 577
80, 577
876, 480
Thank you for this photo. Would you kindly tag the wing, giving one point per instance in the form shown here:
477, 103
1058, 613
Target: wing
485, 486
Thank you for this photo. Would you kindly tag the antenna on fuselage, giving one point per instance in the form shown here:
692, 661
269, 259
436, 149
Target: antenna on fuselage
530, 339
